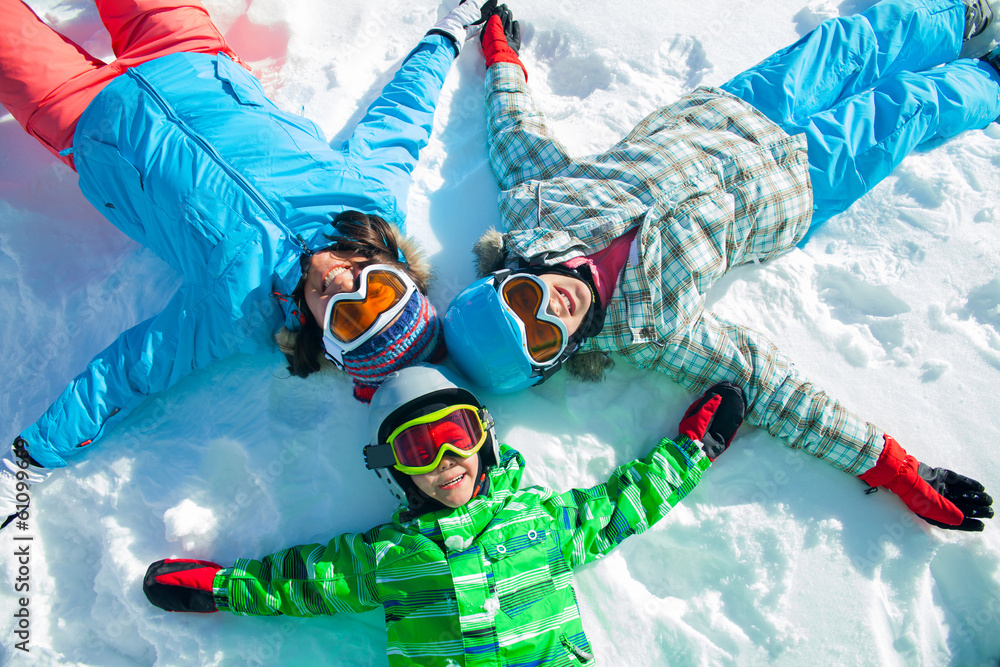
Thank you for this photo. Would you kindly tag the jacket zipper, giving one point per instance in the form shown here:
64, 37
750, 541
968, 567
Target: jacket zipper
247, 187
578, 653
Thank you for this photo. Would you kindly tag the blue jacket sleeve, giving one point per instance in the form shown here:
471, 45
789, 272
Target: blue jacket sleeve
192, 331
398, 124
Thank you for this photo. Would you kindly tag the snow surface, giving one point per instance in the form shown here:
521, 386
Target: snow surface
775, 558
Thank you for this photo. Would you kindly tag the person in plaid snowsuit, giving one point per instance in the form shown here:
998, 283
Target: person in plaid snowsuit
628, 242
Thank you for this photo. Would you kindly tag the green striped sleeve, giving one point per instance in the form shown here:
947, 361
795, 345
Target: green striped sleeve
638, 495
308, 580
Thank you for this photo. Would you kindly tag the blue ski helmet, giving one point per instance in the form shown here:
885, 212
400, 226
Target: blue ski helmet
485, 341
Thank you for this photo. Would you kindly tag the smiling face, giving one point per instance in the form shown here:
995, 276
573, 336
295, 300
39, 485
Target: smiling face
452, 482
569, 299
330, 272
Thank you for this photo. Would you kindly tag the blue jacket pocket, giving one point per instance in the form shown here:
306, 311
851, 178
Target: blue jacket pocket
244, 86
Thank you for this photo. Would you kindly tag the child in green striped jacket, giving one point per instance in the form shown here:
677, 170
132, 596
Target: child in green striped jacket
472, 569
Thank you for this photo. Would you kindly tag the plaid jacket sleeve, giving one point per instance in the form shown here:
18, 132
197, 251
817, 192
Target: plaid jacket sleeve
779, 399
521, 146
638, 495
308, 580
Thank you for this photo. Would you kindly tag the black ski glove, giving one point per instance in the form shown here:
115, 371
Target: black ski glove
181, 585
967, 494
714, 418
487, 10
511, 31
18, 471
937, 495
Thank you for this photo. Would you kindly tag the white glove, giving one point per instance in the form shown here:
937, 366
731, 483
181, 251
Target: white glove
463, 22
16, 477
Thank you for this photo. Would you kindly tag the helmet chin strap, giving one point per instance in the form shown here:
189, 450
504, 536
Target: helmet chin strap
428, 504
481, 483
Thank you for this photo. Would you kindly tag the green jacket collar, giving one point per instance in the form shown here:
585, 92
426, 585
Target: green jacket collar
457, 529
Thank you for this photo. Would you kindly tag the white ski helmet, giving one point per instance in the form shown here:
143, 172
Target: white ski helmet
408, 393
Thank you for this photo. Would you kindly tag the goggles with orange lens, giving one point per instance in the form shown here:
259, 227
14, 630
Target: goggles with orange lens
544, 336
418, 445
352, 318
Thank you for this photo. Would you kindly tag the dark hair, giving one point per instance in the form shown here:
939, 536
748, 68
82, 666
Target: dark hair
362, 234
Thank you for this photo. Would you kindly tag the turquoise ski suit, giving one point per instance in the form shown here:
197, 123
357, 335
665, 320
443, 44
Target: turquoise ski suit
186, 155
866, 90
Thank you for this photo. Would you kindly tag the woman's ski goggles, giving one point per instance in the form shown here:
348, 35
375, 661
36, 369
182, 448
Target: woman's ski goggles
418, 446
543, 335
352, 318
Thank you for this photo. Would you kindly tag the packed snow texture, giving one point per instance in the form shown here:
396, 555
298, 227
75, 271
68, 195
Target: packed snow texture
776, 558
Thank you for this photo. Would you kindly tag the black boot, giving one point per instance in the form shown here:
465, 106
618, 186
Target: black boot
993, 58
982, 31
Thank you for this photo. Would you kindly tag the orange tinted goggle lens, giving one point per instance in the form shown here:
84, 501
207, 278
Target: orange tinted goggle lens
524, 297
418, 445
351, 318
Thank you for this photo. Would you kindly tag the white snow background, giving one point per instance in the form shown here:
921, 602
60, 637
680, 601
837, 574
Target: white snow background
776, 558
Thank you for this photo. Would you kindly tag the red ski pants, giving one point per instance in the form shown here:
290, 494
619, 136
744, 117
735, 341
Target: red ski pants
46, 81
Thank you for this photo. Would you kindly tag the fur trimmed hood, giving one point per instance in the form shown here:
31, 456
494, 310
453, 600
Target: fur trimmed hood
489, 253
416, 258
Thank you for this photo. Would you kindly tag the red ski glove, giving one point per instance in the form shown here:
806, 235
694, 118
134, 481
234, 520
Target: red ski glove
714, 418
937, 495
181, 585
501, 39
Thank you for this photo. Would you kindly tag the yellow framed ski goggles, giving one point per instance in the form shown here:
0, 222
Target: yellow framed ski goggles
418, 445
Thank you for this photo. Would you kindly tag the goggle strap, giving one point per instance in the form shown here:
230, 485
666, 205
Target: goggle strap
486, 419
500, 276
549, 371
337, 356
379, 456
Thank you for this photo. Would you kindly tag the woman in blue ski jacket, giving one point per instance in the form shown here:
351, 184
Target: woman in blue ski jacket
177, 145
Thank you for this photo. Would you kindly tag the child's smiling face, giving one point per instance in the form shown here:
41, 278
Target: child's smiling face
569, 299
452, 482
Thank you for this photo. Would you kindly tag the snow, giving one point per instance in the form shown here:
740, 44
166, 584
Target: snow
776, 558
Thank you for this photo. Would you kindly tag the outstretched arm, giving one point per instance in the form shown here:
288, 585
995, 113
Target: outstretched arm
398, 124
387, 142
779, 399
791, 408
637, 495
522, 147
192, 331
307, 580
